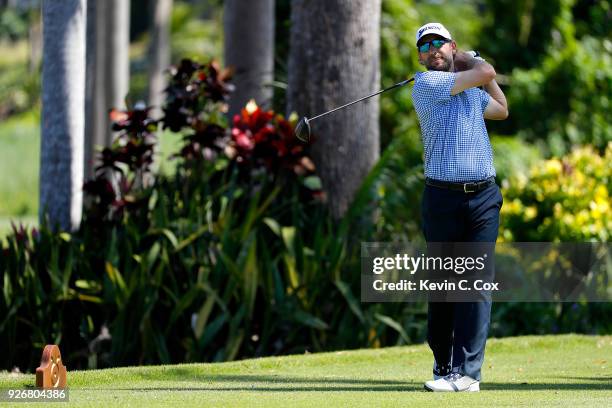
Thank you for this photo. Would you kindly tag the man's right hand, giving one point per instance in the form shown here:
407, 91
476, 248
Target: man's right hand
471, 72
463, 61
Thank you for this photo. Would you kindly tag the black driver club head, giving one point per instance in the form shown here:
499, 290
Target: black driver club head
302, 130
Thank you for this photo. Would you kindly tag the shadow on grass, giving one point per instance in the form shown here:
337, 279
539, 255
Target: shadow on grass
407, 388
602, 378
279, 379
544, 386
266, 383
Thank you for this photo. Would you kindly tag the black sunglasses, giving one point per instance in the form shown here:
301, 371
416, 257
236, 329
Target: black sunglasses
436, 43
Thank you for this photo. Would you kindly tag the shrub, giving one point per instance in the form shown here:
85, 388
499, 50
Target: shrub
561, 199
513, 156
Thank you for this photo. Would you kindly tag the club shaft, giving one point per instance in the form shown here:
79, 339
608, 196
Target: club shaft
364, 98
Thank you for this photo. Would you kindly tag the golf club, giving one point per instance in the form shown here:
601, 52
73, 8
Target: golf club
302, 130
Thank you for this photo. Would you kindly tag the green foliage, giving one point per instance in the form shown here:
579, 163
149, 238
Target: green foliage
592, 18
196, 31
39, 295
519, 33
466, 30
13, 24
559, 93
513, 156
573, 88
560, 200
213, 274
397, 192
399, 61
19, 88
546, 318
557, 200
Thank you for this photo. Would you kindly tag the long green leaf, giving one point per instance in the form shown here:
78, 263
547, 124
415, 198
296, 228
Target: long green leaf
184, 302
202, 316
191, 238
310, 320
212, 329
250, 275
350, 299
394, 325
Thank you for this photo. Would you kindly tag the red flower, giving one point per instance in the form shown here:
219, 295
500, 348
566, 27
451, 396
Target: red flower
263, 139
243, 139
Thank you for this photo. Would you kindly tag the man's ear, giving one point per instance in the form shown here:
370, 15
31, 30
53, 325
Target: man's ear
453, 47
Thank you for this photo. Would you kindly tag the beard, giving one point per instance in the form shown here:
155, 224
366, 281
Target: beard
435, 64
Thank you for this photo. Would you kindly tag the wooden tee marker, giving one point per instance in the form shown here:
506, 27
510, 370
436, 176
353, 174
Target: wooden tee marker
52, 372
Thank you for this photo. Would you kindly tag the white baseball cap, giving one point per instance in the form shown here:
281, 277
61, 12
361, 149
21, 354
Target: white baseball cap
432, 28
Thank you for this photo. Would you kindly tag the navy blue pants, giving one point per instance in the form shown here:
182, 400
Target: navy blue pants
457, 332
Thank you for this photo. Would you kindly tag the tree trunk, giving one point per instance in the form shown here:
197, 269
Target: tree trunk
117, 56
249, 48
63, 92
334, 58
107, 72
6, 4
94, 93
159, 54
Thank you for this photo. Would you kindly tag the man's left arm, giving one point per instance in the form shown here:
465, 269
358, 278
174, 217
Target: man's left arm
497, 108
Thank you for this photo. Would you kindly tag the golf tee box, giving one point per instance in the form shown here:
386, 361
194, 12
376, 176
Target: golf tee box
52, 372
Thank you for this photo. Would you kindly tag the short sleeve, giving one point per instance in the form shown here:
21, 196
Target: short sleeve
434, 86
484, 99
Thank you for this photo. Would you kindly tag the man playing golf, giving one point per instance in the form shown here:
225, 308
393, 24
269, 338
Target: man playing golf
461, 201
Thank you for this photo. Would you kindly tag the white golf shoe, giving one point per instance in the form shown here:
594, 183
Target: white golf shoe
453, 382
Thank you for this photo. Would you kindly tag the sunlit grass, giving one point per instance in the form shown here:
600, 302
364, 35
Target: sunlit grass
568, 370
19, 164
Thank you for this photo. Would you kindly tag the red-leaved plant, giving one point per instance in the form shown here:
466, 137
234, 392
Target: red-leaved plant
258, 141
124, 169
263, 138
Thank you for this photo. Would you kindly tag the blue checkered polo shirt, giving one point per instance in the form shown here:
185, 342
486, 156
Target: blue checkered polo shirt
453, 131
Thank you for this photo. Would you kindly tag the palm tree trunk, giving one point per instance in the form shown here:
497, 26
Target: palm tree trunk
107, 71
93, 102
159, 54
249, 48
117, 56
334, 58
63, 94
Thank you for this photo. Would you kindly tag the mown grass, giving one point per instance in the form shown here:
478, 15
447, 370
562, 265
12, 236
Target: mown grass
19, 164
566, 370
